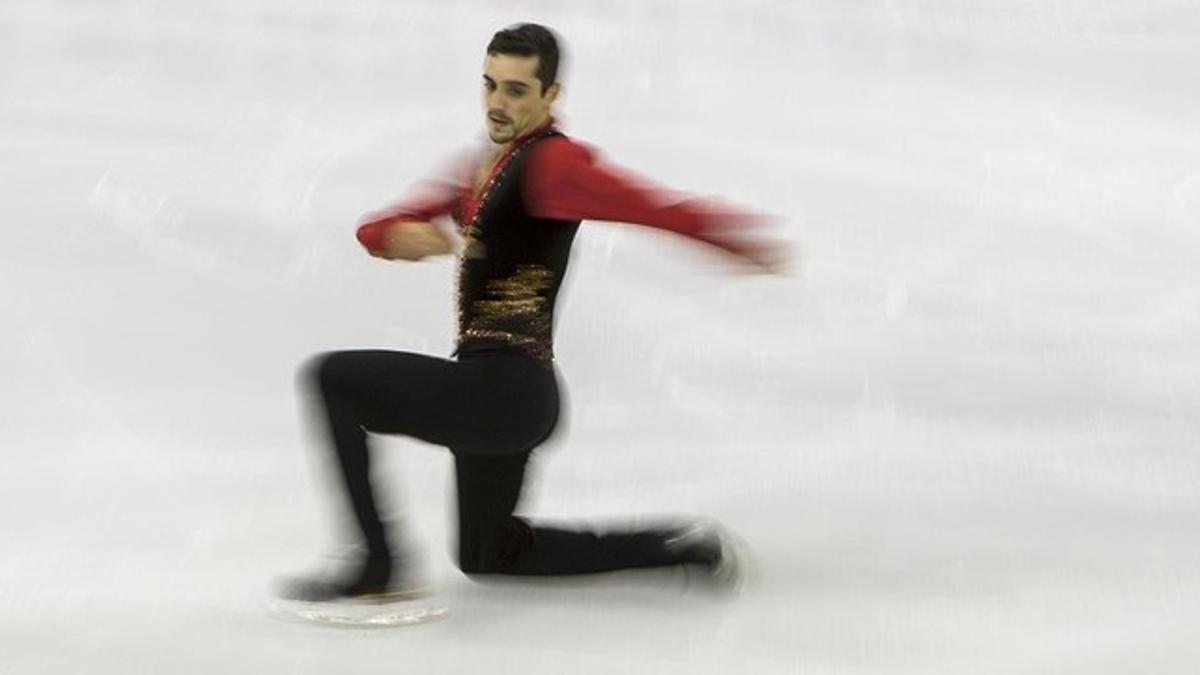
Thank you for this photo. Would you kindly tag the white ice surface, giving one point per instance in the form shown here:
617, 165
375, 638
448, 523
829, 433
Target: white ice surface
961, 436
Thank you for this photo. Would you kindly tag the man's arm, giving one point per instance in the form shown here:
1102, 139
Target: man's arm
404, 231
564, 180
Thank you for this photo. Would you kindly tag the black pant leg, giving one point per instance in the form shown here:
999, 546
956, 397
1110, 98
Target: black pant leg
487, 489
494, 541
491, 412
498, 406
387, 392
343, 419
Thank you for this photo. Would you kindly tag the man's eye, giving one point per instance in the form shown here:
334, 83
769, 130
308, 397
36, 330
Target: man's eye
516, 92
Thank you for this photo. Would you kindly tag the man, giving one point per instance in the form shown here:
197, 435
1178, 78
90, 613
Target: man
517, 209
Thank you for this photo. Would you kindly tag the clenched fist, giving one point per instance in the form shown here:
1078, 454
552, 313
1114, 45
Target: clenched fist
404, 239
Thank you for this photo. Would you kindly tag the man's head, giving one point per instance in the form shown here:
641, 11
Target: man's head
520, 80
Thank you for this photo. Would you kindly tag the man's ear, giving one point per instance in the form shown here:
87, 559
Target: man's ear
552, 92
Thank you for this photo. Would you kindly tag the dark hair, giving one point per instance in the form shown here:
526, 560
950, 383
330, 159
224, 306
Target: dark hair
530, 39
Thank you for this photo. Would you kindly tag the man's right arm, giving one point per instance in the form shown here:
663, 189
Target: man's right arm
405, 230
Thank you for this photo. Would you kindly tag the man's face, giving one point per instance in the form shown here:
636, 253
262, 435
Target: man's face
513, 99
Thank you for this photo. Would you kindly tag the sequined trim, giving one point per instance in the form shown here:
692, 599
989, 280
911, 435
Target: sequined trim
478, 199
531, 346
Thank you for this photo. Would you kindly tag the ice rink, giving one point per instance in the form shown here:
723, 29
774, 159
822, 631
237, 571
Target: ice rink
961, 435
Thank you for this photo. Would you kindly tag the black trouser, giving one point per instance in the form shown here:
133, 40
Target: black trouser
490, 411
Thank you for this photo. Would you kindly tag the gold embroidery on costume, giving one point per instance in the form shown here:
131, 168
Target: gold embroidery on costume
514, 311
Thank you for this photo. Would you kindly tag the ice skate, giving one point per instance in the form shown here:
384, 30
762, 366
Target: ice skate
722, 556
375, 592
372, 579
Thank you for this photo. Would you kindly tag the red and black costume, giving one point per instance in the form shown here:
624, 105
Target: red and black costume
499, 400
519, 227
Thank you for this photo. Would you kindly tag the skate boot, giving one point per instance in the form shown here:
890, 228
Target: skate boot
371, 592
378, 579
721, 555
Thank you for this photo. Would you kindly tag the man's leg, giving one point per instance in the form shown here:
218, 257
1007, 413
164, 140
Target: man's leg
363, 390
487, 405
494, 541
491, 411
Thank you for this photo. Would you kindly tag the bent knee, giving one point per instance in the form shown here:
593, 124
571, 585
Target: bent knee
310, 372
494, 552
326, 370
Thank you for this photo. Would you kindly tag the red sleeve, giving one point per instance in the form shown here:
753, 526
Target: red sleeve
564, 181
432, 198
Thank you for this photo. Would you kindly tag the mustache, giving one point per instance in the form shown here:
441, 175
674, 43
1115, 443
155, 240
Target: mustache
498, 117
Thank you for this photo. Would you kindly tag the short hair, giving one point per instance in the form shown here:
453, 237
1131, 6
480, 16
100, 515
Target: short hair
530, 39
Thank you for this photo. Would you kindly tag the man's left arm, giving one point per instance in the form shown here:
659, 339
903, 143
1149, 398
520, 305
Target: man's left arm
563, 180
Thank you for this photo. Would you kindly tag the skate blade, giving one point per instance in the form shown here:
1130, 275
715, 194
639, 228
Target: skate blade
374, 613
393, 596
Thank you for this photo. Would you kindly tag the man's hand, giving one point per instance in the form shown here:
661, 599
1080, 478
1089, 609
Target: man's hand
404, 240
744, 236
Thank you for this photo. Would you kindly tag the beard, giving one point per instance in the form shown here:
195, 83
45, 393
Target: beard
501, 132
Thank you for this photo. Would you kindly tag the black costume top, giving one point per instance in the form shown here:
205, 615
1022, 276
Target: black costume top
512, 265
